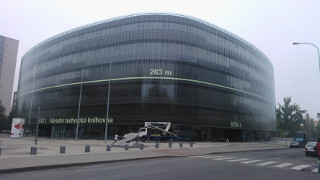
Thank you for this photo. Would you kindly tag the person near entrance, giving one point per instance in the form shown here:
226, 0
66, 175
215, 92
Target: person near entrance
116, 138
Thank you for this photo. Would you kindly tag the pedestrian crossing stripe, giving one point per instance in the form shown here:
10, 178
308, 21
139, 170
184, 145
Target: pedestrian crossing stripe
237, 160
300, 167
283, 165
266, 163
210, 157
195, 156
206, 156
251, 161
248, 161
223, 158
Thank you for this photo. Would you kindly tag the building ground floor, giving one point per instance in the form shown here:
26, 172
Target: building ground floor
188, 133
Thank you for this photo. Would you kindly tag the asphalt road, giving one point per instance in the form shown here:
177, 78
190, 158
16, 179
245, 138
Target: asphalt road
288, 164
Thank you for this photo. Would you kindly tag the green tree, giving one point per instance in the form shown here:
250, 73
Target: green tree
289, 117
3, 117
309, 126
317, 133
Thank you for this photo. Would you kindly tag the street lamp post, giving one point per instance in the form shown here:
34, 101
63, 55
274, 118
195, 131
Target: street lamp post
108, 102
297, 43
79, 104
77, 129
33, 84
37, 127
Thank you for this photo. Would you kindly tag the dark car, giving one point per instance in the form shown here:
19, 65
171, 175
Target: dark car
295, 144
309, 149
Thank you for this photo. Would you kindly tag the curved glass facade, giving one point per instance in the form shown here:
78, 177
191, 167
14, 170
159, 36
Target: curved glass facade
161, 67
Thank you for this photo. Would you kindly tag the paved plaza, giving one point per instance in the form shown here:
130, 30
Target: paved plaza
15, 153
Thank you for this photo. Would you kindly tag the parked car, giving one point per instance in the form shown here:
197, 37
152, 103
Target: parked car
309, 149
295, 144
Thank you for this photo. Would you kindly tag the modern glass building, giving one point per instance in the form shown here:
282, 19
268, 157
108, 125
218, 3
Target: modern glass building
207, 82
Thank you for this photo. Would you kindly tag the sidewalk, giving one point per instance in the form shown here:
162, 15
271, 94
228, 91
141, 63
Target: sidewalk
15, 155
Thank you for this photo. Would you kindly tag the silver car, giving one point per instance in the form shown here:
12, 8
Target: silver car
309, 149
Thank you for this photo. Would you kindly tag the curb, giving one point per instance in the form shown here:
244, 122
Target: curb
56, 166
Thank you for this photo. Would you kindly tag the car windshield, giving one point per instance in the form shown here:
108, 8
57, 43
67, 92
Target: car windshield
311, 144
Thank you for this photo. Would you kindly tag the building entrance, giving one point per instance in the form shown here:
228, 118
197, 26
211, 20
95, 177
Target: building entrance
58, 131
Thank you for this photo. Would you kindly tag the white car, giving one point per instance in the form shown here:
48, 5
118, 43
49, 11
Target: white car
309, 149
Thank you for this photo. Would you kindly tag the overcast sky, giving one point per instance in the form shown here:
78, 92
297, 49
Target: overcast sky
270, 25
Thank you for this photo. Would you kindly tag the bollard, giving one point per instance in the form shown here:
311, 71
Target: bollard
126, 147
33, 151
108, 148
170, 145
157, 145
141, 146
87, 148
62, 149
191, 144
180, 145
0, 151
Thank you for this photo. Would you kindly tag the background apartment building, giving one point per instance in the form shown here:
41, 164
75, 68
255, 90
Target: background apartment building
8, 59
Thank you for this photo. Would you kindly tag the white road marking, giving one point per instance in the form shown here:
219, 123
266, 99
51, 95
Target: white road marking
248, 161
224, 158
283, 165
206, 156
210, 157
237, 160
266, 163
91, 167
194, 156
300, 167
252, 161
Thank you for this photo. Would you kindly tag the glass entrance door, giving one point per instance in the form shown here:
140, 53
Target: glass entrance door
58, 132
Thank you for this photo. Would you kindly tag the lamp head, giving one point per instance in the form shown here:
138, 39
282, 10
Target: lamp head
295, 43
